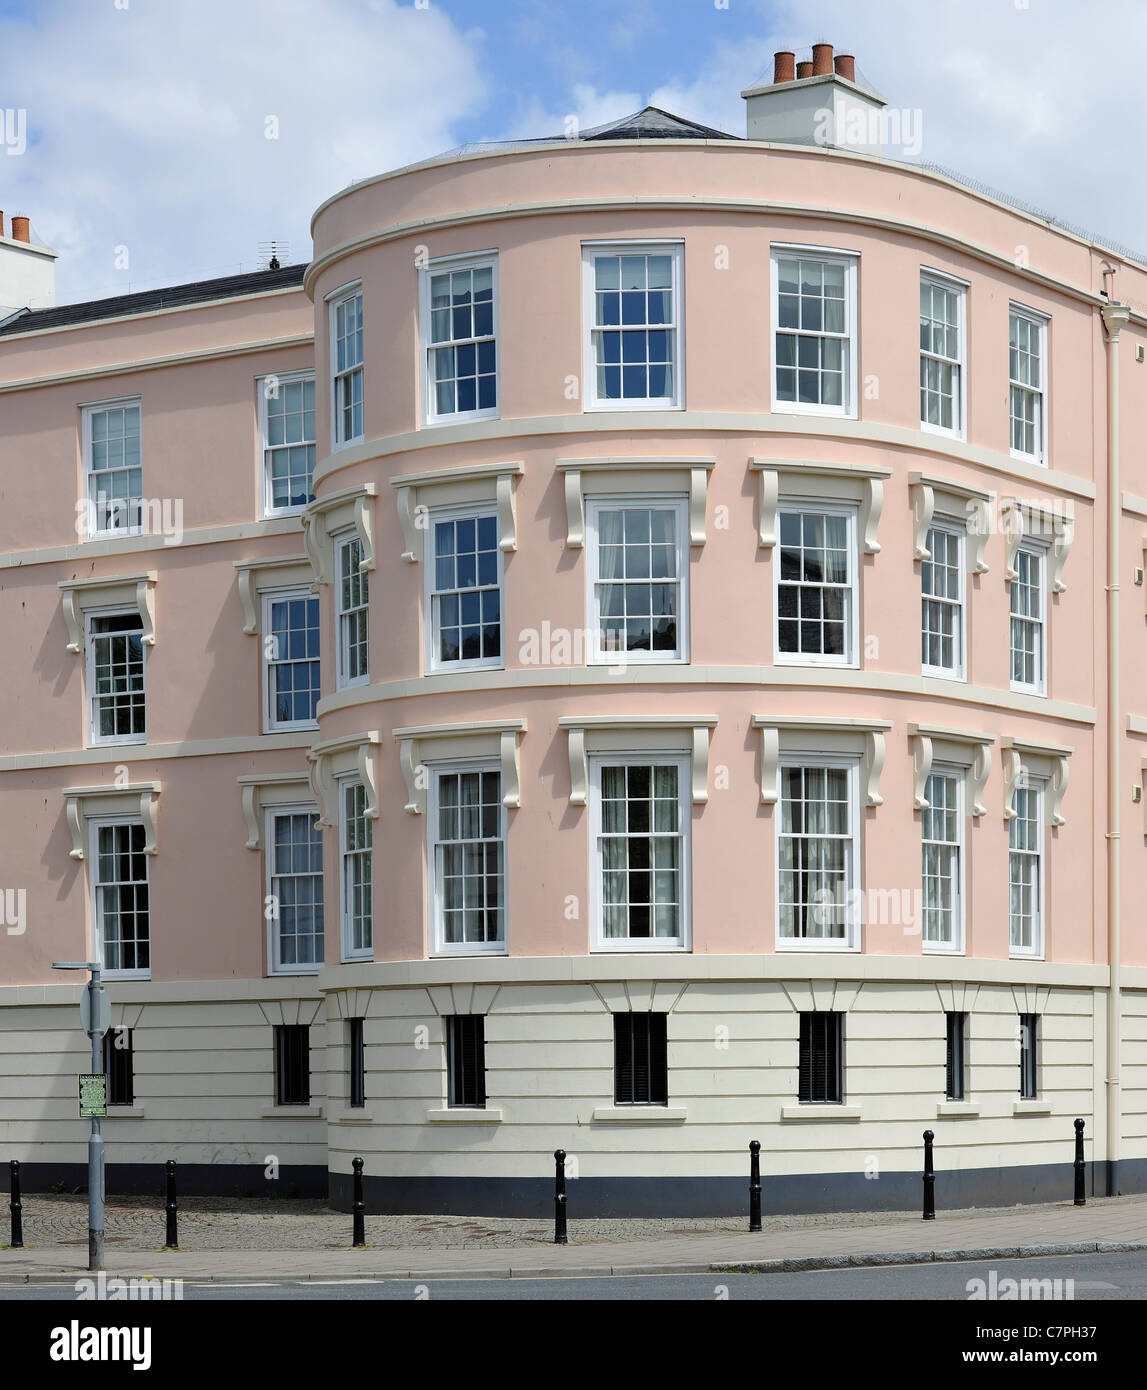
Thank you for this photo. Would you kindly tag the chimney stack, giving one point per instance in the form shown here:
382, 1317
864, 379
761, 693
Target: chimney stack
784, 69
27, 271
817, 101
821, 59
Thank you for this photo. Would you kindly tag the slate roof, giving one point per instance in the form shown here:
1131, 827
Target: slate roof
651, 123
124, 305
654, 124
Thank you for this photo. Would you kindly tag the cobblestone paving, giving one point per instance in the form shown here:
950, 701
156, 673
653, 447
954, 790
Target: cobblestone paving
239, 1223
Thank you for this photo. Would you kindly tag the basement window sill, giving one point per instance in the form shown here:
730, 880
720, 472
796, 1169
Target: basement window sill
954, 1109
1031, 1107
125, 1112
640, 1114
820, 1112
292, 1112
465, 1115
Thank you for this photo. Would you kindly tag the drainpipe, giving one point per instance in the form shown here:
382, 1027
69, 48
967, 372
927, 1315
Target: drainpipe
1114, 315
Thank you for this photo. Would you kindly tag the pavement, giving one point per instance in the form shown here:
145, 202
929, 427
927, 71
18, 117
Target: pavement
851, 1240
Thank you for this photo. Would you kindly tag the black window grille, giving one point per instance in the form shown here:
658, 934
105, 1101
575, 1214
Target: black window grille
357, 1062
821, 1072
292, 1064
119, 1065
954, 1066
466, 1060
640, 1059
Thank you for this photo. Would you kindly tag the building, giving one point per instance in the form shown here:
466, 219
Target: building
679, 679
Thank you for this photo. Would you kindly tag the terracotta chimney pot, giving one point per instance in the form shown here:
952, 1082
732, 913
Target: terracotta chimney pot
821, 59
845, 65
784, 69
20, 230
804, 70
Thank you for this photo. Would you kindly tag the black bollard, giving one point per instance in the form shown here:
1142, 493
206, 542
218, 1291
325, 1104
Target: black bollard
929, 1179
755, 1185
560, 1237
14, 1206
1080, 1170
358, 1206
172, 1241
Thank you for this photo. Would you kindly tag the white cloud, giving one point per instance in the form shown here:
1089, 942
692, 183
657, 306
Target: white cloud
1030, 98
147, 125
588, 107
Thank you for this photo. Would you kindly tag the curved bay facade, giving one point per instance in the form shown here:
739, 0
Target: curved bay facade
680, 708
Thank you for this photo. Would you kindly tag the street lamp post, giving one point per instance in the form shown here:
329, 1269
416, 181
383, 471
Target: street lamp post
94, 1018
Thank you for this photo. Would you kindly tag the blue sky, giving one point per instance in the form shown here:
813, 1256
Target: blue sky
148, 159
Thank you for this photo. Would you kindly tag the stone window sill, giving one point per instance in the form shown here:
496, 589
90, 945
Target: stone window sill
464, 1115
954, 1109
1031, 1107
820, 1112
640, 1114
292, 1112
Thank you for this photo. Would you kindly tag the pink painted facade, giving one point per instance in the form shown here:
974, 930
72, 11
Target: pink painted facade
729, 208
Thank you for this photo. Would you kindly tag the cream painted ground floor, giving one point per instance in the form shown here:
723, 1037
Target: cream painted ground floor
206, 1064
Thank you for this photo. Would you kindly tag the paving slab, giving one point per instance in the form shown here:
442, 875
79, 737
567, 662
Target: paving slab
1105, 1225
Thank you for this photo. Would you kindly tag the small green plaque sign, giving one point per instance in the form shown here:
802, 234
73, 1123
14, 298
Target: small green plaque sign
93, 1095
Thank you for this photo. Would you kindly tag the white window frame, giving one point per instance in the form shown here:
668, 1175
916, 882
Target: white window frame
459, 512
638, 945
271, 725
89, 475
466, 261
334, 300
956, 946
1039, 686
439, 946
851, 658
673, 247
959, 671
852, 939
95, 739
1040, 321
959, 288
342, 681
596, 655
1038, 787
267, 507
274, 965
94, 824
850, 260
347, 951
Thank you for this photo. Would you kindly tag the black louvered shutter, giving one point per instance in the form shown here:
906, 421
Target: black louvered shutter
640, 1059
466, 1060
292, 1064
357, 1062
820, 1075
954, 1069
119, 1065
1029, 1078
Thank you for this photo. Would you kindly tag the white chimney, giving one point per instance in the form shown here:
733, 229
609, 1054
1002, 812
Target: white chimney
816, 103
27, 270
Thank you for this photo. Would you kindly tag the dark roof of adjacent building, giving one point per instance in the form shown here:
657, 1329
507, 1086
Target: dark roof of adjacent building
147, 301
